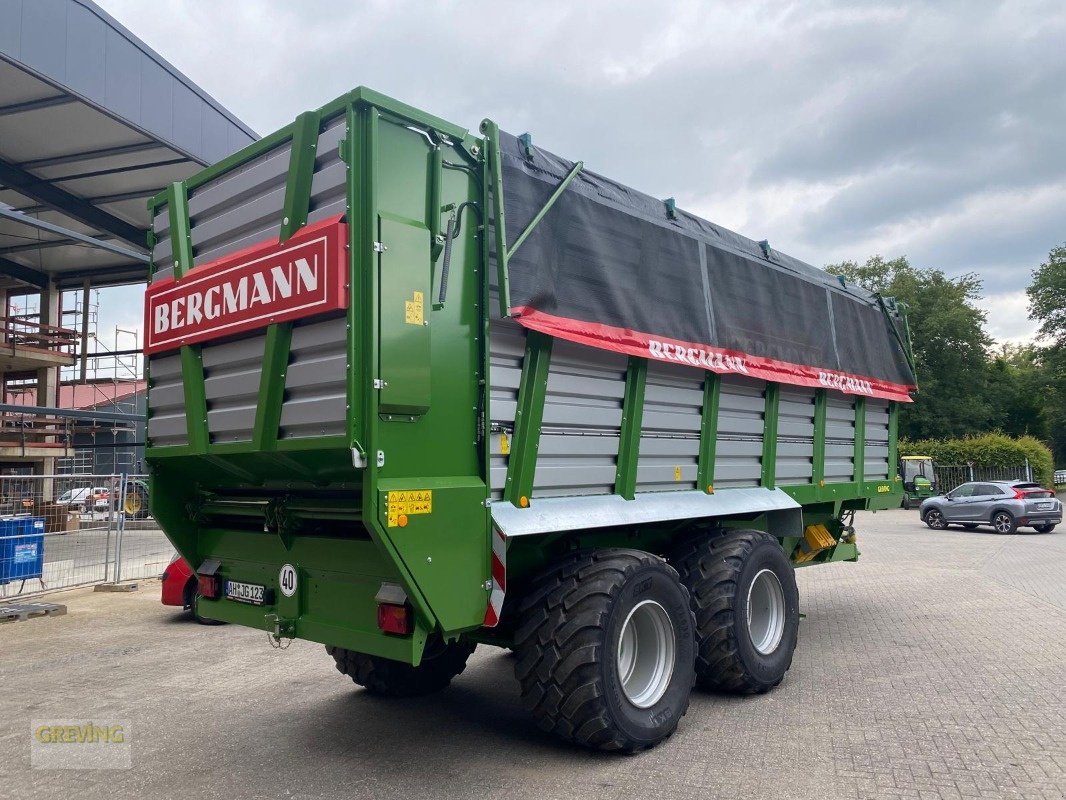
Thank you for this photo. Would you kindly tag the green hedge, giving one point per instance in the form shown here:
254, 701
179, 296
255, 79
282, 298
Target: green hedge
989, 450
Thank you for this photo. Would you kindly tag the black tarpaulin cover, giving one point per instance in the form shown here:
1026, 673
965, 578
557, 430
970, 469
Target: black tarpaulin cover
608, 267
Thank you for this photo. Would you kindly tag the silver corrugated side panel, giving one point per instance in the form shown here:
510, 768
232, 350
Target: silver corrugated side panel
795, 436
329, 185
668, 458
582, 418
741, 419
507, 342
231, 386
876, 452
166, 421
162, 257
316, 382
241, 208
839, 438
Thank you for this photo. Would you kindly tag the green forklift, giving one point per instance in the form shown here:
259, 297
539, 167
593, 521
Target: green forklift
919, 480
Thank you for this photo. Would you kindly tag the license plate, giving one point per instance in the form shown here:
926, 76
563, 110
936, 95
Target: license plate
245, 592
1044, 506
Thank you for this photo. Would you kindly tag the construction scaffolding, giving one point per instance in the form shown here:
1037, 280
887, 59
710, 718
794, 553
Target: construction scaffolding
101, 373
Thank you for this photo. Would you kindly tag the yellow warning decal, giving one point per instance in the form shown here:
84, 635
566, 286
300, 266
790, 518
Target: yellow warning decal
413, 309
505, 444
677, 472
408, 503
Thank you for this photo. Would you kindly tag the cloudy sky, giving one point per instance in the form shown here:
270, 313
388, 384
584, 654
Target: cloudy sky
835, 130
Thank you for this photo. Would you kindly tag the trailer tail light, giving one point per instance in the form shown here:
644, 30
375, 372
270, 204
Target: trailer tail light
209, 586
395, 619
208, 582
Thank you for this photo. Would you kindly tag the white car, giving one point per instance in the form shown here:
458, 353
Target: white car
87, 498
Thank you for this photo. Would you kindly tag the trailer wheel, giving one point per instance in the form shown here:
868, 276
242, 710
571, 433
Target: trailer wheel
190, 595
746, 602
440, 663
605, 650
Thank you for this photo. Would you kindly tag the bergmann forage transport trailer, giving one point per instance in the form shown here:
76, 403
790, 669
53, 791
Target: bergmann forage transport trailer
413, 389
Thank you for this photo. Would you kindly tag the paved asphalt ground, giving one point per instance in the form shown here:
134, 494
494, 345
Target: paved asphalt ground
936, 667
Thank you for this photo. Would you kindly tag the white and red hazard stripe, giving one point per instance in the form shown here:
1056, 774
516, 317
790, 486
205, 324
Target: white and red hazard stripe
499, 578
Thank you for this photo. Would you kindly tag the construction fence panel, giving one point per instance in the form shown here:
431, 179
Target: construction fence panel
63, 531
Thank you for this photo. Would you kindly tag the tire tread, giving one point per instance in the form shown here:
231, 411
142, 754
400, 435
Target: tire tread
709, 565
558, 642
389, 678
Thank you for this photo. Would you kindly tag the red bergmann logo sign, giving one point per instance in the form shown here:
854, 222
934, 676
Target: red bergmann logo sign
263, 284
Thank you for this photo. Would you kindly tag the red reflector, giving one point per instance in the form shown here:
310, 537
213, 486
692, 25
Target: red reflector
208, 586
394, 619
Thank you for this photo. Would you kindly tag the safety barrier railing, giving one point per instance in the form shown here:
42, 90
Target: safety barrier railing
24, 432
19, 332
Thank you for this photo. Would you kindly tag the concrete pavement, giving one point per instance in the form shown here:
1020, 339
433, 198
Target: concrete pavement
935, 667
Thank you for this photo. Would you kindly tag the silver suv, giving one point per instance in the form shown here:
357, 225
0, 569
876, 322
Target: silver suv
1005, 505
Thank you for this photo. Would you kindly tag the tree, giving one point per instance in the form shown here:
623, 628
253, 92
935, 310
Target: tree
949, 341
1047, 297
1051, 361
1019, 393
1047, 305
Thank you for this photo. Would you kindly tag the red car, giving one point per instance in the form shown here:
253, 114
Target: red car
179, 588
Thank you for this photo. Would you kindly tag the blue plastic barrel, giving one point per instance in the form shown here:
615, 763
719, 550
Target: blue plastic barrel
21, 548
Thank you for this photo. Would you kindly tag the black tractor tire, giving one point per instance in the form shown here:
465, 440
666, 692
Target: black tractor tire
1044, 528
382, 676
1003, 522
935, 519
906, 503
719, 569
569, 646
190, 603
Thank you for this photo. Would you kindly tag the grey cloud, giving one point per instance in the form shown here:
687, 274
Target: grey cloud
829, 127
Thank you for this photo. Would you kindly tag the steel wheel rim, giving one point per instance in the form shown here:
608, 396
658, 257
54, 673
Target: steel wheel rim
766, 612
1001, 523
646, 654
133, 503
935, 519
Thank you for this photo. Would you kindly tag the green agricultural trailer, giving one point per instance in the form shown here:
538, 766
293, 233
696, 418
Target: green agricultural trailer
413, 389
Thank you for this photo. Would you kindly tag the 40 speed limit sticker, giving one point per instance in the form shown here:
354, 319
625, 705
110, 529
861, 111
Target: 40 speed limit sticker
287, 580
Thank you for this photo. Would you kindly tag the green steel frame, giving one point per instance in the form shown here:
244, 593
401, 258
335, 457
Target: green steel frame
405, 165
712, 391
531, 395
632, 424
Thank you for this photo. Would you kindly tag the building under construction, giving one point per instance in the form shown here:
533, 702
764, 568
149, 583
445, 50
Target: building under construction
105, 378
92, 124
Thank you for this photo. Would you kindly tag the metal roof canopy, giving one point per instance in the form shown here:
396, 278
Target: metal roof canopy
92, 124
